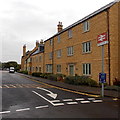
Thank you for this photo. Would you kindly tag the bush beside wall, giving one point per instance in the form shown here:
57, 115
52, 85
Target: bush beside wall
80, 80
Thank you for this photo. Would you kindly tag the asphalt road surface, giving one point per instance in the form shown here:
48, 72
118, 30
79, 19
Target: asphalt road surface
26, 98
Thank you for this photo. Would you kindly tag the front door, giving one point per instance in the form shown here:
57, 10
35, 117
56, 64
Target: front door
71, 69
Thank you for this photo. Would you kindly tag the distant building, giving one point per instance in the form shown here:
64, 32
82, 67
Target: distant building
74, 50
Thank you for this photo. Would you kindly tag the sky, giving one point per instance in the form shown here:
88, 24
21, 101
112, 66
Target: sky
25, 21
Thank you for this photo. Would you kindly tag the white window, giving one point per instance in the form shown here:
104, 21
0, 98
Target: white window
86, 26
70, 33
59, 52
87, 69
50, 55
86, 47
49, 68
51, 42
70, 51
58, 38
59, 68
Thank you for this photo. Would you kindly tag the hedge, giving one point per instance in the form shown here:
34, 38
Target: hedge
80, 80
24, 72
36, 74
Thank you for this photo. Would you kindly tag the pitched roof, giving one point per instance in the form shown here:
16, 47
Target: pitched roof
84, 19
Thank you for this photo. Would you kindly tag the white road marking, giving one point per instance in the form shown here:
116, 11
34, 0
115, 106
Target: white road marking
13, 86
6, 86
91, 98
4, 112
67, 100
51, 94
97, 101
42, 107
71, 103
55, 100
48, 100
58, 104
78, 99
23, 109
85, 101
19, 85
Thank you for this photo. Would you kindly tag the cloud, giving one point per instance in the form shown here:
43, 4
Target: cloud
25, 21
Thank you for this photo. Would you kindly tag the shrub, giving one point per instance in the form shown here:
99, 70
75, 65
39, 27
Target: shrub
60, 77
69, 80
52, 77
116, 82
45, 75
80, 80
24, 72
36, 74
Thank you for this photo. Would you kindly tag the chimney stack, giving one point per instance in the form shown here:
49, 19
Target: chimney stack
37, 43
41, 42
24, 50
60, 26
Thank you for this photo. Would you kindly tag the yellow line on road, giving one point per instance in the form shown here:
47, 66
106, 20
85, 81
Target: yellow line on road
64, 89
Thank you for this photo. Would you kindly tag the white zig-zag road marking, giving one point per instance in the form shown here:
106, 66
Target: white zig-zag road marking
4, 112
91, 98
85, 101
55, 100
12, 85
65, 100
39, 107
6, 86
58, 104
19, 110
96, 101
79, 99
72, 103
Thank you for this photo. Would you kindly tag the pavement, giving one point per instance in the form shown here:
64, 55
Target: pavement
84, 89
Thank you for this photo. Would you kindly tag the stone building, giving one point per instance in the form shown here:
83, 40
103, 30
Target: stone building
74, 50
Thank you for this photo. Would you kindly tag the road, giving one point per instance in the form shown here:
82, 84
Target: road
26, 98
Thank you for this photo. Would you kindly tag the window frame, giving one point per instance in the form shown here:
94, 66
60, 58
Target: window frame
50, 55
86, 69
49, 68
70, 33
59, 53
86, 47
70, 51
86, 26
59, 38
58, 68
51, 42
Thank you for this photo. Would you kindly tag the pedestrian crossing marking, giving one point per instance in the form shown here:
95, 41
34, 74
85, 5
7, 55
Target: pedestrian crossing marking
22, 86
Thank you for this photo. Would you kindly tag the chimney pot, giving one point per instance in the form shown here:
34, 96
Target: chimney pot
60, 26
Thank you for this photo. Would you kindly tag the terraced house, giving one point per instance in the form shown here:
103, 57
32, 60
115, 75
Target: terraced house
74, 50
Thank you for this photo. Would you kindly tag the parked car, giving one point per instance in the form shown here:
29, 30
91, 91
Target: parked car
11, 70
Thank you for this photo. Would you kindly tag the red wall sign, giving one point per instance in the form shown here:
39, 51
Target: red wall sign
102, 39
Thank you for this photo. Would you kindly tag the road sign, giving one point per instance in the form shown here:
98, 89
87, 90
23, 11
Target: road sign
102, 39
102, 77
